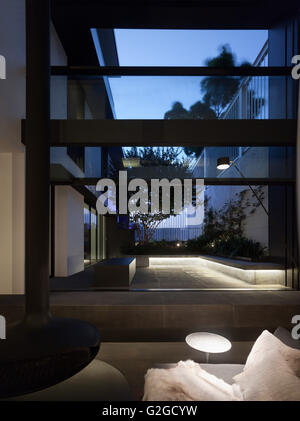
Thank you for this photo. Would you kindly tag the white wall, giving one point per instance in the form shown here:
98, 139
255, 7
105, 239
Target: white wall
12, 151
12, 90
69, 231
18, 213
6, 223
256, 225
255, 163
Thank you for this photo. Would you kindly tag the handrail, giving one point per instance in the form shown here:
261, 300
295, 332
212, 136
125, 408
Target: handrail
262, 54
257, 62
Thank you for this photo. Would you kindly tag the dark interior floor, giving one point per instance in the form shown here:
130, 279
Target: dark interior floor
168, 316
79, 281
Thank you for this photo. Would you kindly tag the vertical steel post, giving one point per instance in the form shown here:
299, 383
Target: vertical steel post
298, 176
37, 160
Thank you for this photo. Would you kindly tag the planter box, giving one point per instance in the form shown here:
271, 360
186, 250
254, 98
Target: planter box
142, 261
114, 273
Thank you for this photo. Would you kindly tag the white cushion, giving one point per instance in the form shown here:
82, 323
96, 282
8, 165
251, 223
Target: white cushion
271, 371
267, 343
187, 381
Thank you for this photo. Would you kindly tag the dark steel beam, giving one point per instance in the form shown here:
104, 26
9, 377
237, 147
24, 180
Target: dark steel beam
88, 71
216, 181
171, 14
74, 32
172, 132
37, 158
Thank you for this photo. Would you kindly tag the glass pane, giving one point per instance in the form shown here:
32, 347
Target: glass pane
75, 162
274, 162
99, 238
174, 97
237, 233
87, 234
204, 162
93, 235
153, 47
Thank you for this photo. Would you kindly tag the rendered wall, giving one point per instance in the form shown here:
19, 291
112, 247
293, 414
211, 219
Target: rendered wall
69, 231
253, 164
12, 184
12, 151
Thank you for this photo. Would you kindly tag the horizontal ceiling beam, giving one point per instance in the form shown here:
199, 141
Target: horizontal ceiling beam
211, 181
171, 132
171, 14
86, 71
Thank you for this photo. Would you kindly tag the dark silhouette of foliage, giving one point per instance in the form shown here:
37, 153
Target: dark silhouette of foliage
202, 111
160, 156
193, 151
177, 112
218, 91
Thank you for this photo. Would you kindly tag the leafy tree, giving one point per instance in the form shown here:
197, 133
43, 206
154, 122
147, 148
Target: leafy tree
193, 151
202, 111
177, 112
223, 230
159, 161
149, 156
218, 91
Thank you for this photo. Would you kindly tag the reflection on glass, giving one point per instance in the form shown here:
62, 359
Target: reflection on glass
181, 97
202, 162
87, 231
93, 235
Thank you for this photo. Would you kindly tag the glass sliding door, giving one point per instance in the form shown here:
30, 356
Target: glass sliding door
87, 235
99, 234
101, 254
93, 235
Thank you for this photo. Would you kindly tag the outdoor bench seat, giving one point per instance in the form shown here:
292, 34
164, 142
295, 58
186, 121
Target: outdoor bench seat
116, 272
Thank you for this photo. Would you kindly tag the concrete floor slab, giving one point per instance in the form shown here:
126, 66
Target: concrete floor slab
189, 276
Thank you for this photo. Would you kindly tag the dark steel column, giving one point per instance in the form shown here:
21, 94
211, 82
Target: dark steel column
37, 159
298, 177
53, 348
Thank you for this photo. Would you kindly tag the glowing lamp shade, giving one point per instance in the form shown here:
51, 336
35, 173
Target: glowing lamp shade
208, 342
131, 162
223, 163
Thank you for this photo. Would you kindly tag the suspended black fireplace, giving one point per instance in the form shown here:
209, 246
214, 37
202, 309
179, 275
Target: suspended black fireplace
41, 350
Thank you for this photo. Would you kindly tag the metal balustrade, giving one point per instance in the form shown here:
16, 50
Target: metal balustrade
251, 100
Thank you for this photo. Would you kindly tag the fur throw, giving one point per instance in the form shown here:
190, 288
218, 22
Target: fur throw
187, 382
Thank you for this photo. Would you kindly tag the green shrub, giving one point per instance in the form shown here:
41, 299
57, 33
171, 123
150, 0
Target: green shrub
227, 245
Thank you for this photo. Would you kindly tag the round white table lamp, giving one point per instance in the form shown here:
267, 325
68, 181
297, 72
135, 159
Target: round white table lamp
208, 343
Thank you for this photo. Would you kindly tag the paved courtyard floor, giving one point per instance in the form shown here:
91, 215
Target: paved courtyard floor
164, 276
189, 277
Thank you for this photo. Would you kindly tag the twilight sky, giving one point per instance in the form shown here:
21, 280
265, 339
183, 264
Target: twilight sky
150, 97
